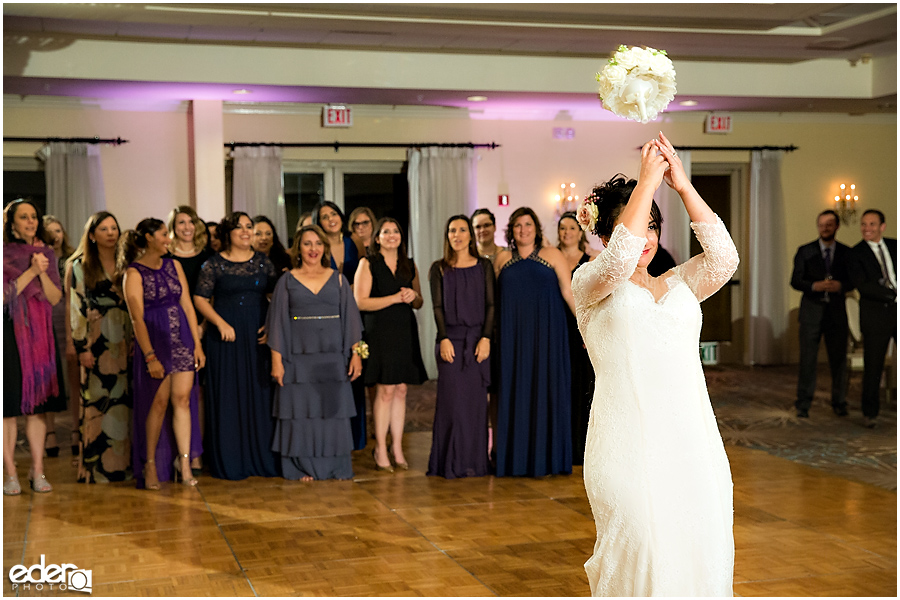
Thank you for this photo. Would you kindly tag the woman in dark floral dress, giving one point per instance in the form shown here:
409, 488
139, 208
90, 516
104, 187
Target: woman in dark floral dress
101, 333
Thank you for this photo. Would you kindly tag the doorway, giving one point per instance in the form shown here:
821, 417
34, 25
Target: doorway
380, 185
723, 187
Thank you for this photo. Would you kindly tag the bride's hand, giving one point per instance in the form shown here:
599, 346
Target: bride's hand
675, 177
653, 165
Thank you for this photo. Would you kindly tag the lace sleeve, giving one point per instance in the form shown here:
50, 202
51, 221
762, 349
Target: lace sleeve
707, 272
206, 281
595, 280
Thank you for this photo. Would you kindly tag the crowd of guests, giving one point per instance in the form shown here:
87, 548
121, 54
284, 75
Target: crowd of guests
182, 344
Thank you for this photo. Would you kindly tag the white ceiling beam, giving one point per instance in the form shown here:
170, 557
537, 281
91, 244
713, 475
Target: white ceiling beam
145, 61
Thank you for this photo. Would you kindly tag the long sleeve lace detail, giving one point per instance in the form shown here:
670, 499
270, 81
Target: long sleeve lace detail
707, 272
594, 281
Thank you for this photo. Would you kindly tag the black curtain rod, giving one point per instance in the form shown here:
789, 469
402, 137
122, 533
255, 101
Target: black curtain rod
93, 140
338, 145
738, 148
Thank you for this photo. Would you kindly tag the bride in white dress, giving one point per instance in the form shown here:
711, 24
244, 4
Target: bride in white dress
655, 469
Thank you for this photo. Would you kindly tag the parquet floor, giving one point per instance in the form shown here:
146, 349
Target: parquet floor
798, 532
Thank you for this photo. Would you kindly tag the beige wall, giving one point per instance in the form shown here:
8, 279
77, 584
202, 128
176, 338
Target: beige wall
150, 175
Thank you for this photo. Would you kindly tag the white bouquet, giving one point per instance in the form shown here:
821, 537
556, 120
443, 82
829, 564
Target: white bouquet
637, 83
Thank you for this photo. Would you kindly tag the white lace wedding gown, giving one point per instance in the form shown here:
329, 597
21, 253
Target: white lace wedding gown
655, 469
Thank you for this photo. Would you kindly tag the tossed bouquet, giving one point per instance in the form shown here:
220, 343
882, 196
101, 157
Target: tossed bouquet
637, 83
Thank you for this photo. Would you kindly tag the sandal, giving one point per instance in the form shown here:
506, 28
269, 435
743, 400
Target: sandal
39, 483
11, 485
147, 485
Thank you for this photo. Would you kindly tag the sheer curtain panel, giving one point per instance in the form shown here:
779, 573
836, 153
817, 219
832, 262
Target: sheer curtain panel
74, 183
258, 186
441, 184
767, 279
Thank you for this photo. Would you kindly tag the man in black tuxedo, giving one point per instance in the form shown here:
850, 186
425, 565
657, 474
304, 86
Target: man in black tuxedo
874, 273
822, 273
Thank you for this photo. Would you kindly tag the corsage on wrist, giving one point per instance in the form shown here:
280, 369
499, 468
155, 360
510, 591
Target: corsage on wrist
362, 349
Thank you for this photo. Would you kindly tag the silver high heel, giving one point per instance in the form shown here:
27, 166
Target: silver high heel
176, 471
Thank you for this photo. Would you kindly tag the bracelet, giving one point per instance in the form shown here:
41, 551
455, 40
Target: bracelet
149, 358
361, 349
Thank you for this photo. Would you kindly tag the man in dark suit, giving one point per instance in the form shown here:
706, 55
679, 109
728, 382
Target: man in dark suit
874, 274
822, 273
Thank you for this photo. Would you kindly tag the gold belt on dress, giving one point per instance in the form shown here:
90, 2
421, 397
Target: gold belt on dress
316, 318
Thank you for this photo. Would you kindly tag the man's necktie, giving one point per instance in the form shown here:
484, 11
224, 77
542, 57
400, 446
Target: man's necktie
828, 261
884, 271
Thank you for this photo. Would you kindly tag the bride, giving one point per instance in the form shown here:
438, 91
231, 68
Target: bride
655, 469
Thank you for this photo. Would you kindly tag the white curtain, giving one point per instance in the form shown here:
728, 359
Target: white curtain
74, 183
441, 184
767, 280
676, 228
258, 187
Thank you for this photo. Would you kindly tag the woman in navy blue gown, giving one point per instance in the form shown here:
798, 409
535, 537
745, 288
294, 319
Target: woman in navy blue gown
462, 291
534, 430
240, 425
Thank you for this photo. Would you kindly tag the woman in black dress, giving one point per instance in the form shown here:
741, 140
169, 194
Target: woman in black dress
573, 245
265, 240
387, 290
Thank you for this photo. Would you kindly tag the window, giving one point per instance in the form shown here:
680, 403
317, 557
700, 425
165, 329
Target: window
23, 177
380, 185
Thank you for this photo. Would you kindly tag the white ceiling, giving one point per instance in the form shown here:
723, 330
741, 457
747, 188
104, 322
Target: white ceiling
759, 34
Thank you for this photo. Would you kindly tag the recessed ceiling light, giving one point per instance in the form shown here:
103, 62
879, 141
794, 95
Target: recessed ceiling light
476, 98
242, 92
689, 103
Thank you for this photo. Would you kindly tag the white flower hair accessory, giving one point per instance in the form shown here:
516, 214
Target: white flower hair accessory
637, 83
588, 213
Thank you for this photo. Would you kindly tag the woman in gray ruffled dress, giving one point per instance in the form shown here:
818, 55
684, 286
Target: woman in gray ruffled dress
314, 329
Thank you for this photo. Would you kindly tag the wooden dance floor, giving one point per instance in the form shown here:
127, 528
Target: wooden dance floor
798, 532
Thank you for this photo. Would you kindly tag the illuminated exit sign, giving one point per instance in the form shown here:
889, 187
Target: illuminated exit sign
720, 123
336, 115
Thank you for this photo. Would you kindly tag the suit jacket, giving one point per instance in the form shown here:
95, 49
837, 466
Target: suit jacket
867, 277
809, 267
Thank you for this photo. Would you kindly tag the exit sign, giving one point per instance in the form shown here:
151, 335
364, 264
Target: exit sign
720, 123
336, 115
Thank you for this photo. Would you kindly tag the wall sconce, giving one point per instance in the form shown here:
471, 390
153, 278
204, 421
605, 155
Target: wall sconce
845, 203
566, 200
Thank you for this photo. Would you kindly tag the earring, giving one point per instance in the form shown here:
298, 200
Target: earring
93, 241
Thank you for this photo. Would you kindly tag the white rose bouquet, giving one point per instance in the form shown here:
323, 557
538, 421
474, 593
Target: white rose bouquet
637, 83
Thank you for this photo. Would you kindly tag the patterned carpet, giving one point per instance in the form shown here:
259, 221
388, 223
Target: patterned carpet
755, 408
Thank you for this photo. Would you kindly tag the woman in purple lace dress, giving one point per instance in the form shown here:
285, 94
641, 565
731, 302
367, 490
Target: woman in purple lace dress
167, 356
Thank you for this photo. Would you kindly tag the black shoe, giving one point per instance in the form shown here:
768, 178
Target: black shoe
841, 410
870, 423
802, 413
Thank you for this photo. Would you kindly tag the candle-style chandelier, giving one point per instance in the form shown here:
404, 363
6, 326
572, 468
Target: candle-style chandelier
845, 202
566, 200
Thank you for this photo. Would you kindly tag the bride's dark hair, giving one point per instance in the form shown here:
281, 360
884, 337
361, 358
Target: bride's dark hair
611, 197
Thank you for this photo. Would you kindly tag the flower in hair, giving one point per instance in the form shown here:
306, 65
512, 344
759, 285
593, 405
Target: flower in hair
637, 83
588, 213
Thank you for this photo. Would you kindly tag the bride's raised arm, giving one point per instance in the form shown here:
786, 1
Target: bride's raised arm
707, 272
596, 280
